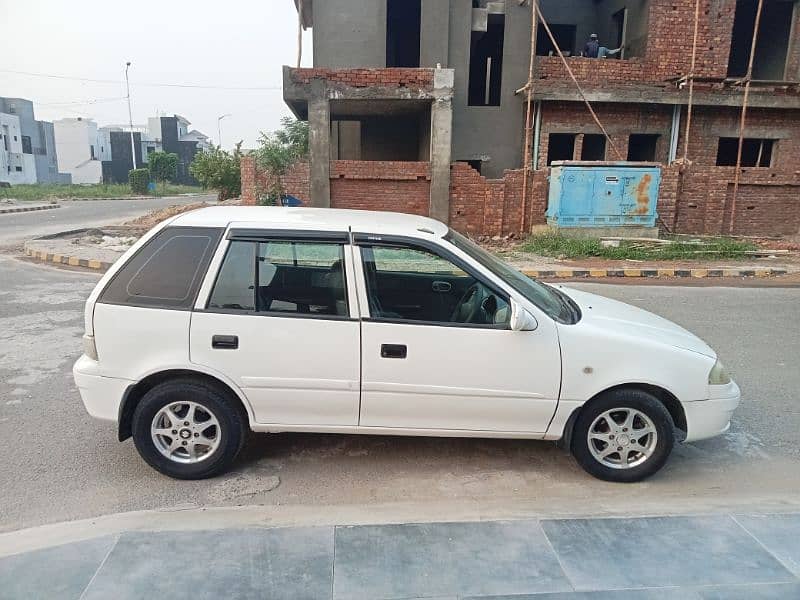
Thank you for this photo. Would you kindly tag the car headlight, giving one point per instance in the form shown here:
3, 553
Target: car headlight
718, 376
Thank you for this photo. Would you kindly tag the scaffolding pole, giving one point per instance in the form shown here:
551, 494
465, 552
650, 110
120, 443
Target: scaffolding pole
742, 121
690, 79
528, 127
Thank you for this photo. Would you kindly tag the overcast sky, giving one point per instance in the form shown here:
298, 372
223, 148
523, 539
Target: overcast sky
229, 43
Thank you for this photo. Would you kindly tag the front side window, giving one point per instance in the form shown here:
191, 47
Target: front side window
289, 277
554, 303
412, 284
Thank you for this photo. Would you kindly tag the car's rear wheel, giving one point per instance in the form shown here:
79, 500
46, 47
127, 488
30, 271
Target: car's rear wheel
187, 429
624, 436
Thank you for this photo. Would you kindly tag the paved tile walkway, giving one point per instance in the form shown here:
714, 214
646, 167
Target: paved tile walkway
696, 558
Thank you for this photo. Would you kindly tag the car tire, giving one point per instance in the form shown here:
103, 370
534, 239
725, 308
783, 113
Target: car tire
623, 436
188, 429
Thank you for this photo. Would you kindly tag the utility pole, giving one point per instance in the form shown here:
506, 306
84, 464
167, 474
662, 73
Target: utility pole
130, 115
219, 129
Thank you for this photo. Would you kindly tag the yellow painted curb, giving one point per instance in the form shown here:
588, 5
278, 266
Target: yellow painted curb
73, 261
699, 272
94, 264
666, 272
598, 273
563, 273
531, 273
762, 272
632, 272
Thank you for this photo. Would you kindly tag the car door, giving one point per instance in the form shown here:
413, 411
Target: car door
465, 370
280, 322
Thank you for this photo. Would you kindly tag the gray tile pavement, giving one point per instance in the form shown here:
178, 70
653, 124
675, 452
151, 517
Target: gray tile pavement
654, 558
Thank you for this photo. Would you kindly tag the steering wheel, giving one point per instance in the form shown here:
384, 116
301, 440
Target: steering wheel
470, 304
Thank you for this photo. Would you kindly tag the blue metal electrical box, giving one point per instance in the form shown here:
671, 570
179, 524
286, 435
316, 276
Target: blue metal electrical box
603, 194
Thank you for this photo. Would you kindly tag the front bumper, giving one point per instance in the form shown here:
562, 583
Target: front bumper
711, 417
101, 395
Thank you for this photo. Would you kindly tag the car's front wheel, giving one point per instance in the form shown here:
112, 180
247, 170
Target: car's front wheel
187, 429
624, 436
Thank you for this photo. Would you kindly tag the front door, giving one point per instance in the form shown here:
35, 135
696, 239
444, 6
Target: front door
278, 323
438, 353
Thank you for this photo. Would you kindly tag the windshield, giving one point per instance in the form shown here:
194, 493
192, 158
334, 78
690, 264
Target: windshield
554, 303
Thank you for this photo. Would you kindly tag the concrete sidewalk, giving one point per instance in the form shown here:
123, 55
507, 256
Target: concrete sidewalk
695, 557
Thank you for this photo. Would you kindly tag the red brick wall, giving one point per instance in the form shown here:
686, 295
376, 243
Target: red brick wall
711, 123
381, 185
391, 77
480, 206
619, 120
767, 203
295, 182
669, 47
698, 201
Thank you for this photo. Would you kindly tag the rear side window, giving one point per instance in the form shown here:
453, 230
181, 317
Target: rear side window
167, 271
288, 277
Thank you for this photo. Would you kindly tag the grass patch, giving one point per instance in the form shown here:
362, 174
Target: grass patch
560, 246
114, 190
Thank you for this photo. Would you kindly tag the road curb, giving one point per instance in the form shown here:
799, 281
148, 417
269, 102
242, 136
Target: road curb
651, 273
21, 209
64, 259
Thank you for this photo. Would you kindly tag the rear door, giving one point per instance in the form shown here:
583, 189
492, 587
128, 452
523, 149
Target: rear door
281, 321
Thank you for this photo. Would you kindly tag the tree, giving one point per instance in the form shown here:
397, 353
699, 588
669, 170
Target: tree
278, 151
163, 166
219, 170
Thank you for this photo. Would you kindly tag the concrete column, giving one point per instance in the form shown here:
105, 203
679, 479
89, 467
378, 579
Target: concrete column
319, 150
441, 132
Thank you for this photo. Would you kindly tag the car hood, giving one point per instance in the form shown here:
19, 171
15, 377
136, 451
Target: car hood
625, 319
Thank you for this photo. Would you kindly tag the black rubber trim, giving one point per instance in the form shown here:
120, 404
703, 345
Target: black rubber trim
258, 235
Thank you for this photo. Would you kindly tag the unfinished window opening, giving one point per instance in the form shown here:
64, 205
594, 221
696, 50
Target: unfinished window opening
619, 24
594, 147
621, 27
565, 38
560, 146
755, 152
486, 63
772, 46
475, 164
642, 147
403, 33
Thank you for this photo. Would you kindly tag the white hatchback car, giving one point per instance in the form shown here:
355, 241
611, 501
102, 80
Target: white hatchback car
322, 320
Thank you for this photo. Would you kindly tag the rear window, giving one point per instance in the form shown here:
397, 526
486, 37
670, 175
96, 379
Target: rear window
167, 271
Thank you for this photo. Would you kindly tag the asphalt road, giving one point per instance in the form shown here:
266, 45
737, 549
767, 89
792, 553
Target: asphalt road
15, 228
58, 464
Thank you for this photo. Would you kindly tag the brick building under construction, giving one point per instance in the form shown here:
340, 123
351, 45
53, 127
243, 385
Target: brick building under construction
422, 106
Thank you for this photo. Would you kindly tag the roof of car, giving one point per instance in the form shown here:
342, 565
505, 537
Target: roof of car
323, 219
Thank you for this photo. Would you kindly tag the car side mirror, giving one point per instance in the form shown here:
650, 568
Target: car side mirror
521, 319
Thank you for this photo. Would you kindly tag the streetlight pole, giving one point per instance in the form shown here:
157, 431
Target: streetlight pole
130, 116
219, 130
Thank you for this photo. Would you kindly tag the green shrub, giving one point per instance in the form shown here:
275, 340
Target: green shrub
219, 170
163, 166
139, 179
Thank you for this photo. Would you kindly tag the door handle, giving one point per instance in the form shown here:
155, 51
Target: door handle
393, 351
442, 286
225, 342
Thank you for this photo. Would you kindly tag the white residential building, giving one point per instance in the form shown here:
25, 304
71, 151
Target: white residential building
16, 166
78, 148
